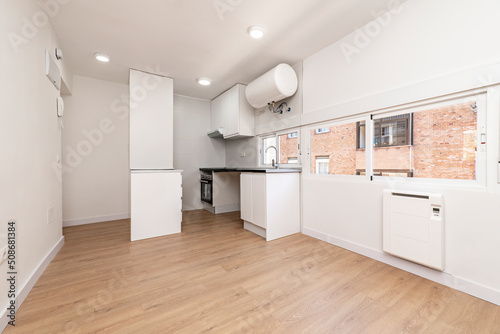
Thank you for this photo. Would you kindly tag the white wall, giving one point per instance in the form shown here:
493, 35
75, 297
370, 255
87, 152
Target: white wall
422, 40
430, 48
31, 142
193, 148
96, 179
234, 149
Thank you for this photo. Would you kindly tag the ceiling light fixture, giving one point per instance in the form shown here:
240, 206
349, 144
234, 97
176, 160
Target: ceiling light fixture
101, 57
204, 81
256, 32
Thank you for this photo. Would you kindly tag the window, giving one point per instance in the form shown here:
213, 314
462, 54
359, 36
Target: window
334, 152
438, 142
321, 130
287, 148
322, 165
432, 141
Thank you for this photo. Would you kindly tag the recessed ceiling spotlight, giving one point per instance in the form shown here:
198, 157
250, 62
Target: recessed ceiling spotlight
256, 32
101, 57
204, 81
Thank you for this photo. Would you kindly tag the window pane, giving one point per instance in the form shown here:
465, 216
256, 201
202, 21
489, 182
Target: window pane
334, 151
271, 153
444, 144
288, 147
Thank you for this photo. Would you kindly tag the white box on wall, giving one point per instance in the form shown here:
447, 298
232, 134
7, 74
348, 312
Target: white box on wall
413, 227
52, 71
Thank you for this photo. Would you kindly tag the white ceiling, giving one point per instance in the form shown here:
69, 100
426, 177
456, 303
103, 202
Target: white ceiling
187, 39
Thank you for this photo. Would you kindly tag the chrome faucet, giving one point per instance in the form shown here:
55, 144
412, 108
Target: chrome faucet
275, 165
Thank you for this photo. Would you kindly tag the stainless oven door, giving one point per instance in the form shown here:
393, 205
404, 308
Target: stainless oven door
206, 191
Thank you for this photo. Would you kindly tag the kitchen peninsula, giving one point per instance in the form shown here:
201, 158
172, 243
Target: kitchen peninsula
268, 198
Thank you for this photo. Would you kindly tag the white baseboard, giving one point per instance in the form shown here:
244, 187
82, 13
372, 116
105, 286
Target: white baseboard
460, 284
254, 229
91, 220
227, 208
26, 288
221, 208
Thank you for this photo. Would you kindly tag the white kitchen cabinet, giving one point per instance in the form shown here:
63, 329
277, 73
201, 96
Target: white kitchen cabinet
270, 204
156, 203
151, 121
231, 112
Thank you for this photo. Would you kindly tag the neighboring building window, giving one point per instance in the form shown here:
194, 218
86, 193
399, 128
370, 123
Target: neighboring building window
323, 165
392, 131
292, 135
321, 130
293, 160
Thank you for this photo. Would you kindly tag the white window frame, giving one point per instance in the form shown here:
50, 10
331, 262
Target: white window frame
277, 135
487, 160
481, 158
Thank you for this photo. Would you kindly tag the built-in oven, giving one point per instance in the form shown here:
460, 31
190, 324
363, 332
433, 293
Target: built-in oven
206, 187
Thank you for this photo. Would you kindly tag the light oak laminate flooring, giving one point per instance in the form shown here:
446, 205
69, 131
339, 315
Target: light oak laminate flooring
215, 277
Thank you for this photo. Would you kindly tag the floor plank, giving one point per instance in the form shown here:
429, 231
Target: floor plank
215, 277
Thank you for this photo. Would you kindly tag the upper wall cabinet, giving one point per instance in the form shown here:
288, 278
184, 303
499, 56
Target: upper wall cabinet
231, 113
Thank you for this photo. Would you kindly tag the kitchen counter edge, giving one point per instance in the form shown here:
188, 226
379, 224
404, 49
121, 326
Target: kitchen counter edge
252, 170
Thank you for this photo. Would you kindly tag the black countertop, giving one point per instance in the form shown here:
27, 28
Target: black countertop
252, 170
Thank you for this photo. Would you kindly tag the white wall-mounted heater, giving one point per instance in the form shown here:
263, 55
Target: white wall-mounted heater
413, 227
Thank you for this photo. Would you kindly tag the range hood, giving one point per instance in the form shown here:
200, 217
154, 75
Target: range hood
217, 133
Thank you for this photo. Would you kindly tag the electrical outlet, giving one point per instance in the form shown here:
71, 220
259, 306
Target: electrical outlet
3, 254
243, 155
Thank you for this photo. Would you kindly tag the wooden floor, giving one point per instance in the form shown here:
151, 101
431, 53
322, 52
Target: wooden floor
216, 277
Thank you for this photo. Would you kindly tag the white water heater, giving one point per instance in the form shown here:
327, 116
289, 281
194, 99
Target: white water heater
274, 85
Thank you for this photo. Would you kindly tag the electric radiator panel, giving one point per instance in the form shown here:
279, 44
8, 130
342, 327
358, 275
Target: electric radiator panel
413, 227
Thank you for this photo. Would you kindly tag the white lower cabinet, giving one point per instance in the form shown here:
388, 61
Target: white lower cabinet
270, 204
156, 204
